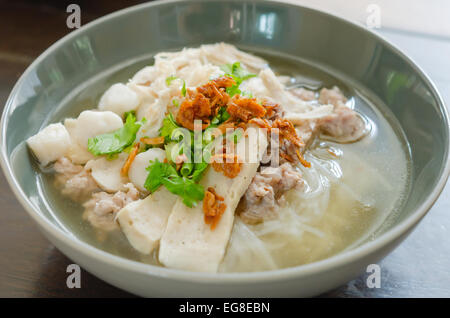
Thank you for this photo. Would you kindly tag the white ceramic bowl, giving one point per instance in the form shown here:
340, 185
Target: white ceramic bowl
295, 31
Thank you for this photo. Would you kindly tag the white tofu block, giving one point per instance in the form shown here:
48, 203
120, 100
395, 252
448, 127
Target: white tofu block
119, 98
190, 244
50, 143
144, 221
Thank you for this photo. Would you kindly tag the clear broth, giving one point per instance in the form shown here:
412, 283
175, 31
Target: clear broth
376, 169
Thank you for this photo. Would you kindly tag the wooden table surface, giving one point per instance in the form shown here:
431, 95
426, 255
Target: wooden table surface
30, 266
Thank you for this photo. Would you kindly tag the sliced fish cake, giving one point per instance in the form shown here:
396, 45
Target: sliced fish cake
144, 221
190, 244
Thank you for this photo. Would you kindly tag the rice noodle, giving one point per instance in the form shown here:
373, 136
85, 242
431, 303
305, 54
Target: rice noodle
312, 221
295, 219
246, 250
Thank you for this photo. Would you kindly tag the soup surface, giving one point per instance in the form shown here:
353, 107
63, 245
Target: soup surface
343, 198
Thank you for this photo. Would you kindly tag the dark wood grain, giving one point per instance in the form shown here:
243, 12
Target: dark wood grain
29, 265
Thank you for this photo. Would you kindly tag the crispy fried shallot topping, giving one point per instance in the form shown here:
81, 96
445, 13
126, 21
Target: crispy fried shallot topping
212, 207
133, 153
272, 109
261, 122
215, 91
195, 108
224, 81
302, 159
227, 125
286, 157
153, 141
226, 163
204, 102
287, 131
245, 108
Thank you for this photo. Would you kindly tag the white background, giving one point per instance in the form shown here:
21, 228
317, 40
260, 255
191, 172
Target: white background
431, 17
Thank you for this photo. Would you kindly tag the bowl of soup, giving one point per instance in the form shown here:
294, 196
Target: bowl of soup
233, 148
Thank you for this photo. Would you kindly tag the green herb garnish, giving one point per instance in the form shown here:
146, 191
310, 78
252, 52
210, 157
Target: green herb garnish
116, 141
186, 169
156, 172
165, 174
222, 116
169, 79
199, 169
168, 126
125, 115
183, 89
238, 73
187, 189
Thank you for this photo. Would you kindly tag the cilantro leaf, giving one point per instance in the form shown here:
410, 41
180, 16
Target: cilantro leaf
225, 115
187, 189
233, 90
199, 169
168, 126
156, 172
125, 115
161, 173
238, 73
116, 141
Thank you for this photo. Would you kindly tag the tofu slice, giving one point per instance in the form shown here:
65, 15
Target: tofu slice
144, 221
190, 244
107, 173
50, 143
